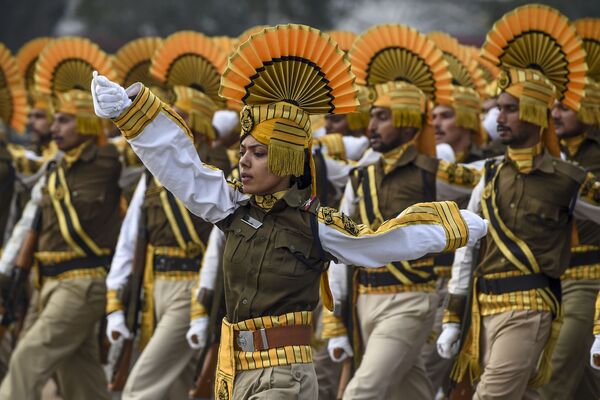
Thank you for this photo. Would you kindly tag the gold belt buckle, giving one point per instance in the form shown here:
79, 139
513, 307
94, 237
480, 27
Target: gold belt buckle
193, 250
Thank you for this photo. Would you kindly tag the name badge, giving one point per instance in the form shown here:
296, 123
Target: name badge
253, 222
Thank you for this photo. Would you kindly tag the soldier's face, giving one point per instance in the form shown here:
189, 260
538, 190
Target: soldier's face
446, 131
336, 123
511, 130
382, 133
64, 132
38, 123
566, 122
254, 169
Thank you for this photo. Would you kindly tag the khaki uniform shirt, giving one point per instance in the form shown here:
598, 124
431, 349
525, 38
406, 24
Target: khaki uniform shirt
93, 183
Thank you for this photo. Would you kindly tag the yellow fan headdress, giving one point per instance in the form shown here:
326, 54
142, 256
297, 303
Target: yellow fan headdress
541, 58
26, 59
467, 82
13, 98
344, 39
407, 71
64, 72
588, 30
282, 75
190, 59
199, 107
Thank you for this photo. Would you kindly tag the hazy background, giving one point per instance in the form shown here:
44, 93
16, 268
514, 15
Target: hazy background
111, 23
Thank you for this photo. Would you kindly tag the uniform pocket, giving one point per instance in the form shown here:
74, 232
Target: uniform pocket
543, 216
292, 253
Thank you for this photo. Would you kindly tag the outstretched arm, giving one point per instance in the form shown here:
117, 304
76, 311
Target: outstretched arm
163, 142
421, 229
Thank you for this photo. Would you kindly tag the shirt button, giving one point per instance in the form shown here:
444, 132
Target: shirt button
293, 248
237, 230
245, 301
512, 205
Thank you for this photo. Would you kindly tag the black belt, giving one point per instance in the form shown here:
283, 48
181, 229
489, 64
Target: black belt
166, 264
517, 284
584, 258
377, 279
444, 259
76, 263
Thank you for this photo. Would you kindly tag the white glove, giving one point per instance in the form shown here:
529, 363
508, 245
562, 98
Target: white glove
447, 343
595, 351
197, 334
116, 328
339, 343
110, 99
478, 226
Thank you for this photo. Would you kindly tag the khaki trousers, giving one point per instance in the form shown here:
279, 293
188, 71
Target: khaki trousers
166, 367
511, 344
63, 340
328, 372
296, 381
438, 368
570, 366
394, 328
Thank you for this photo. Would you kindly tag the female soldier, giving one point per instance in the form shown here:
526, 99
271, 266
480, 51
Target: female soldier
277, 237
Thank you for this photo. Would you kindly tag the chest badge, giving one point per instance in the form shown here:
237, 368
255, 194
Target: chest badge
253, 222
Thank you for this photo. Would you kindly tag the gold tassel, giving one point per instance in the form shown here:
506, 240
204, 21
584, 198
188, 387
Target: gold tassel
202, 125
286, 158
468, 120
406, 118
358, 120
544, 372
89, 126
589, 116
533, 112
147, 324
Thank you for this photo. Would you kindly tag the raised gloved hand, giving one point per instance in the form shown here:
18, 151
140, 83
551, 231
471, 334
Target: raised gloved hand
198, 332
478, 226
339, 348
447, 343
595, 353
116, 328
110, 99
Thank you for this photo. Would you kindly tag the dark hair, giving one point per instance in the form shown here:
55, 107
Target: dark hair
305, 180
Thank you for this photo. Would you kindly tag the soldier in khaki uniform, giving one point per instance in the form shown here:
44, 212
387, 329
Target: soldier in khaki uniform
580, 142
78, 226
277, 237
529, 196
396, 303
176, 243
457, 123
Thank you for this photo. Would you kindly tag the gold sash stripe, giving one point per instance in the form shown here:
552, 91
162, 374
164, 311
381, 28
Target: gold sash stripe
597, 319
68, 221
583, 272
231, 360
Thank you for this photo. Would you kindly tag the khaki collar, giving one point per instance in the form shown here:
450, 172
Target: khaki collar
398, 157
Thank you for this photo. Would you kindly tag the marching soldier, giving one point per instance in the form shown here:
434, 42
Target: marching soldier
529, 197
176, 238
578, 133
396, 303
277, 238
78, 224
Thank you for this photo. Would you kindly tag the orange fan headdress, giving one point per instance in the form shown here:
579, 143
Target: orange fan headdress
344, 39
26, 59
282, 75
542, 60
64, 72
588, 30
193, 60
13, 98
406, 71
